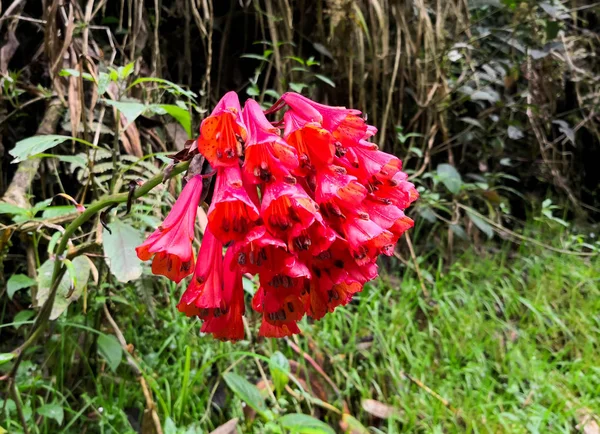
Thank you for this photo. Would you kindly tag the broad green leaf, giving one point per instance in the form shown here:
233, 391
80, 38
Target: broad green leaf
280, 369
181, 115
8, 208
103, 83
297, 87
131, 110
481, 224
110, 349
53, 411
57, 211
6, 357
449, 177
22, 317
170, 427
459, 231
304, 424
119, 248
248, 393
325, 80
16, 282
68, 291
34, 145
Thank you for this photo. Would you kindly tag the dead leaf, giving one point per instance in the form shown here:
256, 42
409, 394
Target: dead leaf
587, 421
131, 138
7, 51
229, 427
74, 99
379, 409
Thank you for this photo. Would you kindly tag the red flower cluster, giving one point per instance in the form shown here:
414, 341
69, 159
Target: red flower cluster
308, 211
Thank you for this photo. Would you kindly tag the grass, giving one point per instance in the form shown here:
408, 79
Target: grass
506, 342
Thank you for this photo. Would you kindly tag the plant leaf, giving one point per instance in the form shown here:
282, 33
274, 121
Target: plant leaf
481, 224
8, 208
131, 110
280, 368
110, 349
119, 249
6, 357
16, 282
304, 424
449, 177
35, 145
248, 393
68, 290
53, 411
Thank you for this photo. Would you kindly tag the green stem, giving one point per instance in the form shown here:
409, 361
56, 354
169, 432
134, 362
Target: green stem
58, 272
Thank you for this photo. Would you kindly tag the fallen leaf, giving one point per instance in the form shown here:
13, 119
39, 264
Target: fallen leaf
587, 421
229, 427
379, 409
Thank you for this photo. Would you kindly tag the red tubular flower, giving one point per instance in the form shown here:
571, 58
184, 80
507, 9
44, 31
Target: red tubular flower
397, 190
262, 253
366, 238
171, 243
226, 322
309, 212
388, 216
267, 156
281, 305
223, 132
314, 144
206, 288
346, 125
287, 209
232, 212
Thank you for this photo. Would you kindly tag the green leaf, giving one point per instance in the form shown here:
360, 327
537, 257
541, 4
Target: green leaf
68, 291
181, 115
304, 424
110, 349
103, 83
53, 411
481, 224
325, 80
248, 393
252, 91
6, 357
16, 282
119, 248
297, 87
255, 56
280, 369
57, 211
22, 317
459, 231
7, 208
131, 110
168, 83
449, 177
34, 145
